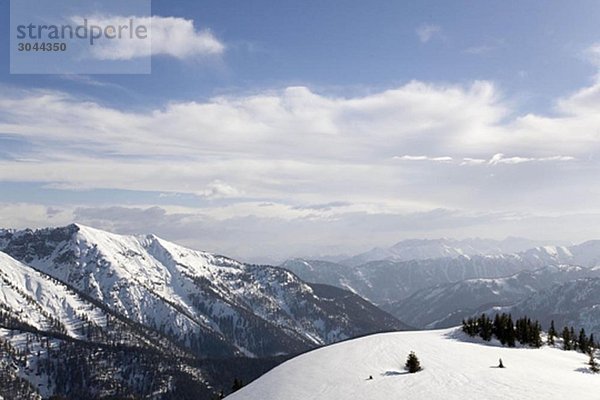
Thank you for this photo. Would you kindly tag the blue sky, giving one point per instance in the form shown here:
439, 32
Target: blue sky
297, 128
531, 49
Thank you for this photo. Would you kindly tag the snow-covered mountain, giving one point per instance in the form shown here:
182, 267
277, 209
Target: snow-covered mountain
442, 306
575, 303
422, 249
384, 282
211, 304
453, 369
167, 318
49, 332
586, 254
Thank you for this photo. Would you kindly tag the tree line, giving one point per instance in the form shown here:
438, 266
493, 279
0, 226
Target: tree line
526, 332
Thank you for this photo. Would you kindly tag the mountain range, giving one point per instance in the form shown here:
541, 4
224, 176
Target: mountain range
86, 313
446, 305
422, 249
440, 292
79, 287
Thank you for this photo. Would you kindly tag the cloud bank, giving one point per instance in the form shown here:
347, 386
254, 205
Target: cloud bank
255, 165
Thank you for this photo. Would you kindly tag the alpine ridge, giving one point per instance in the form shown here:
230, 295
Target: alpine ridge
74, 280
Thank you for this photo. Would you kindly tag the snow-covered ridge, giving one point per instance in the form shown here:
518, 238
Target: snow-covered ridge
211, 304
422, 249
452, 369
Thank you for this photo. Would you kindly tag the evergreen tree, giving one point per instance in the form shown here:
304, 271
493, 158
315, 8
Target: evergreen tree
593, 364
583, 341
551, 334
566, 336
510, 332
412, 364
485, 327
499, 328
573, 338
536, 339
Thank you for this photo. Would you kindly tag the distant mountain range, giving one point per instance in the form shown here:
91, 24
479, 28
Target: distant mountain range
573, 303
423, 249
439, 292
388, 281
82, 288
445, 305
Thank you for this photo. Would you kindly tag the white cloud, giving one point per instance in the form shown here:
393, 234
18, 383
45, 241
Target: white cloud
427, 32
501, 159
219, 190
262, 159
168, 36
423, 158
472, 161
496, 159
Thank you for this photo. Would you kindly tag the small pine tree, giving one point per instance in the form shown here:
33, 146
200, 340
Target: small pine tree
593, 364
551, 333
510, 332
412, 364
583, 343
566, 336
573, 338
536, 339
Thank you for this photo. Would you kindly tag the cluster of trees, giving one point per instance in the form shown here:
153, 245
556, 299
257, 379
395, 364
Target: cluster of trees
76, 369
580, 342
572, 341
524, 330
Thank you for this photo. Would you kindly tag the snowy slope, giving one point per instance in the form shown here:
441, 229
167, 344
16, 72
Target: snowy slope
52, 331
453, 369
213, 305
45, 304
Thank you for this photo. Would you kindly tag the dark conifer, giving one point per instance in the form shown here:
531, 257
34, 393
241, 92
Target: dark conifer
566, 336
583, 341
551, 333
536, 338
593, 364
573, 338
510, 332
412, 364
